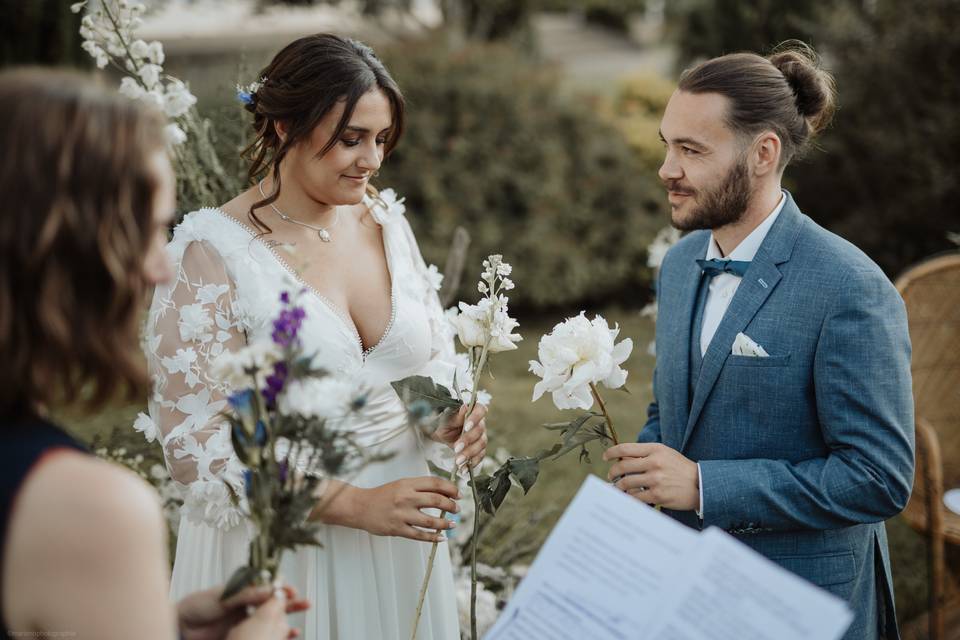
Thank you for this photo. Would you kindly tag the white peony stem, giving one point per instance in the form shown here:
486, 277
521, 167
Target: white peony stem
606, 416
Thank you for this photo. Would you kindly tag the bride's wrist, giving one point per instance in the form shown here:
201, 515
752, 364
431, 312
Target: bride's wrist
337, 503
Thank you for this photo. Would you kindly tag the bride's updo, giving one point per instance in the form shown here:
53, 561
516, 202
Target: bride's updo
303, 83
787, 92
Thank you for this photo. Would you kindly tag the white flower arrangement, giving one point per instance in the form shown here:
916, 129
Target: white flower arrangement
109, 36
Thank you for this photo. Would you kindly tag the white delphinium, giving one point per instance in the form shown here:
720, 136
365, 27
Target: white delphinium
109, 36
488, 324
575, 357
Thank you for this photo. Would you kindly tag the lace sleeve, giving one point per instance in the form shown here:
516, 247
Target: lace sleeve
444, 366
191, 321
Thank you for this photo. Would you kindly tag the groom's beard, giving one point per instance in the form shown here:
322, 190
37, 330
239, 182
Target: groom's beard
718, 207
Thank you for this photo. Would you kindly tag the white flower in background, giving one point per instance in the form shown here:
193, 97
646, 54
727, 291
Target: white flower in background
131, 88
486, 605
434, 277
178, 99
232, 367
665, 238
109, 33
145, 425
150, 74
326, 398
576, 354
174, 135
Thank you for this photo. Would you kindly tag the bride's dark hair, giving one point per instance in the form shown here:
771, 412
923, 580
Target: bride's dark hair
301, 85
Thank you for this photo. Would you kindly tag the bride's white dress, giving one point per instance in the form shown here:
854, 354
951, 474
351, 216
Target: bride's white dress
226, 291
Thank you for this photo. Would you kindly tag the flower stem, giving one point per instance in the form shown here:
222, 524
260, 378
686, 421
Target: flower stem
480, 364
603, 409
473, 557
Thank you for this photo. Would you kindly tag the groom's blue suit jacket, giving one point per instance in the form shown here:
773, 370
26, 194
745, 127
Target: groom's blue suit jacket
803, 454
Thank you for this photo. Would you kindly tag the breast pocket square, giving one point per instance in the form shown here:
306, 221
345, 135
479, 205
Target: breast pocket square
743, 345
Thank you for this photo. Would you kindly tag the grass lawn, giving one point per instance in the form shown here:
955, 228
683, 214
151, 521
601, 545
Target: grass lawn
515, 423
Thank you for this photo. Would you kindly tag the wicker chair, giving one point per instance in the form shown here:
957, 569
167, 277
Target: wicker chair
931, 291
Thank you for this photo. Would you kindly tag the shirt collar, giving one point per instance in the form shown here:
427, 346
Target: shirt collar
749, 246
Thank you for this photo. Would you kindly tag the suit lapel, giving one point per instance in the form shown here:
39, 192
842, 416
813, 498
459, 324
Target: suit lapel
758, 283
680, 338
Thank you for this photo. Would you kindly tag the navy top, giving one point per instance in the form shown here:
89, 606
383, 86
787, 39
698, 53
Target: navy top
22, 445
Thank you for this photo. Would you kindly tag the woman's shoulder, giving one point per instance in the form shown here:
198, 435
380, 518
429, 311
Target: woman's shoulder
80, 524
86, 493
209, 225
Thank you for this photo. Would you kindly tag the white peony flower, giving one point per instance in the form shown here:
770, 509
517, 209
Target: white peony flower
578, 353
174, 135
145, 425
325, 398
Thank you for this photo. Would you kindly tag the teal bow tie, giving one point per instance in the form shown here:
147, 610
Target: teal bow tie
716, 267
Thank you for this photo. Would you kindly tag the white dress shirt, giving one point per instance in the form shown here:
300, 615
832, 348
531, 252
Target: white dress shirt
724, 286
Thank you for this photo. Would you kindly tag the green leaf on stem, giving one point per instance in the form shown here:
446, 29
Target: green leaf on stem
415, 388
437, 470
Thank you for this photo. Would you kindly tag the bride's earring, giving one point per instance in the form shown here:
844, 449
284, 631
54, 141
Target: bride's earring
376, 173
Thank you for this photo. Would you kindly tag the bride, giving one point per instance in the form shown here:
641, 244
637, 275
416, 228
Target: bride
325, 114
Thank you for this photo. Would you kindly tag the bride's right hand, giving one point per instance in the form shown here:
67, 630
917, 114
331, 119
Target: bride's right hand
395, 508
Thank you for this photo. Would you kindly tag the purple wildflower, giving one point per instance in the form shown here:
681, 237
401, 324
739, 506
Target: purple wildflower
286, 326
275, 383
284, 469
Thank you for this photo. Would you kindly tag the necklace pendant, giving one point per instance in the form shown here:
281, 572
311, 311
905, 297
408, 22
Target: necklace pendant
324, 235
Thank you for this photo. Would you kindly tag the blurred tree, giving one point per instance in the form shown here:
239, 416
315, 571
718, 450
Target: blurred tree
40, 32
889, 178
492, 144
708, 28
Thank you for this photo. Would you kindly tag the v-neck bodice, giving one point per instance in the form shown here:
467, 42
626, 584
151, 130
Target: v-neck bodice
338, 312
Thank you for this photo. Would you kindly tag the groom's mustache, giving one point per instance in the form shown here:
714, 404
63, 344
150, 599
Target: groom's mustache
674, 186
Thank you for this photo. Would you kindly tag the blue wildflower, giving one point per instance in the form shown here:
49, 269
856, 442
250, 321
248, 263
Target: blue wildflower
260, 434
248, 482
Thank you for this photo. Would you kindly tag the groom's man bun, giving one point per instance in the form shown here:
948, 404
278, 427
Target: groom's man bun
787, 92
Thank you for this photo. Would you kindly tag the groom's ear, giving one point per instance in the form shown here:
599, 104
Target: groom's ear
766, 153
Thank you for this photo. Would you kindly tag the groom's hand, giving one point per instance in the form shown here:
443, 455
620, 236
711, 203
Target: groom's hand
655, 474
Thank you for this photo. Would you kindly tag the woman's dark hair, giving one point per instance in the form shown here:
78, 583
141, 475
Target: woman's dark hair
301, 85
787, 92
76, 224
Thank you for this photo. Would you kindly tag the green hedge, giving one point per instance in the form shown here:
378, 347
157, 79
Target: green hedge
541, 178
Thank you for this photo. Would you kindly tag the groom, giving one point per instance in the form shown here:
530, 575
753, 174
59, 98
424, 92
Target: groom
782, 407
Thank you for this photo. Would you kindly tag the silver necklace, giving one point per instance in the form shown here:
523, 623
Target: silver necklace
323, 232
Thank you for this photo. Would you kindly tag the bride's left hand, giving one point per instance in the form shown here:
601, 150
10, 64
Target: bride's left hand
466, 435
